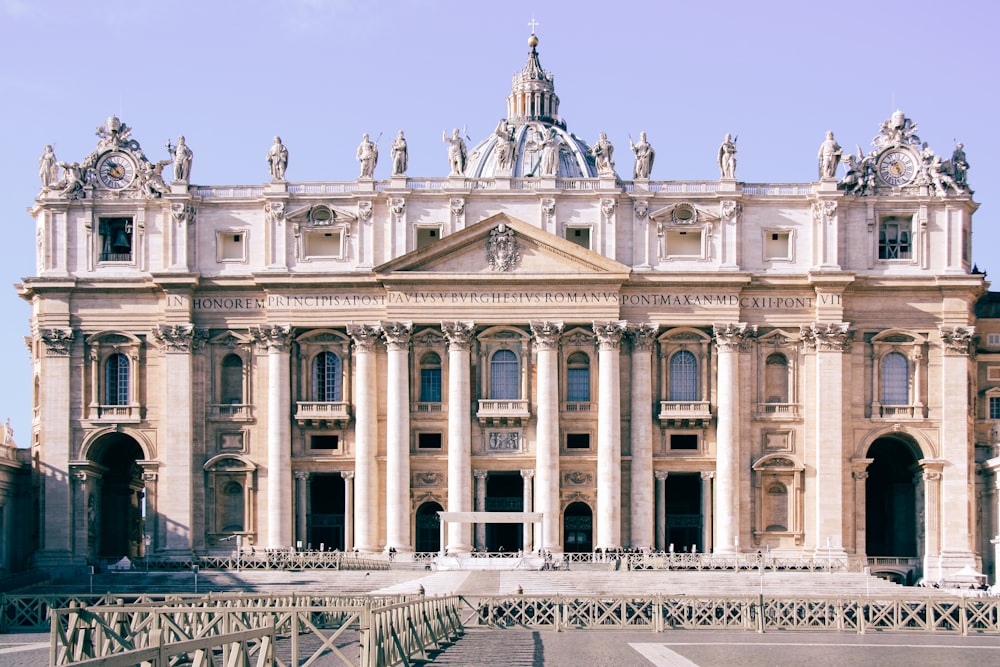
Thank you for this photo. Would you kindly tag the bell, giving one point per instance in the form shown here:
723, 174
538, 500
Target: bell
120, 243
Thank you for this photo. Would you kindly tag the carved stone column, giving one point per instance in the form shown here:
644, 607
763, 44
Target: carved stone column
397, 460
546, 336
480, 475
609, 446
348, 477
958, 478
643, 337
661, 504
730, 340
301, 507
55, 541
706, 510
829, 341
276, 340
459, 336
526, 540
931, 476
176, 342
366, 515
859, 471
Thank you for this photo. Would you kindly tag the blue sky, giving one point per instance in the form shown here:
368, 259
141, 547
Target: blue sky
229, 75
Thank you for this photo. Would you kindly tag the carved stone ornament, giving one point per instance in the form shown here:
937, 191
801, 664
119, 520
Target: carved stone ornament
578, 339
182, 213
57, 341
730, 210
640, 209
824, 211
429, 338
459, 334
272, 338
457, 206
397, 206
502, 250
548, 205
897, 130
577, 478
831, 337
274, 211
364, 336
608, 207
179, 337
507, 441
609, 334
957, 341
426, 479
364, 210
643, 336
397, 334
734, 337
546, 334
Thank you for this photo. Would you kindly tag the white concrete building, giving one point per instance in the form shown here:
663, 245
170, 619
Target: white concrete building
709, 365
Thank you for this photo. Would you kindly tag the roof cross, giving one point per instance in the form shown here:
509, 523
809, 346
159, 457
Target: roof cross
533, 24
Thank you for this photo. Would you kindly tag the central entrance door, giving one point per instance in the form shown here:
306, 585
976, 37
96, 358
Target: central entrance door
683, 512
325, 523
504, 493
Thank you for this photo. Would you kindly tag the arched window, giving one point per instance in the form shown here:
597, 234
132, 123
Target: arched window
326, 378
578, 378
683, 377
776, 379
503, 376
232, 380
116, 377
895, 379
430, 378
777, 507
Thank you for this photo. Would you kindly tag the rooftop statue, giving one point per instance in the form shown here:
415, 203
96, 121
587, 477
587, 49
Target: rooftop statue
603, 152
73, 180
505, 146
277, 160
727, 157
898, 130
48, 169
644, 155
182, 159
551, 144
113, 134
829, 157
367, 156
960, 167
457, 152
399, 155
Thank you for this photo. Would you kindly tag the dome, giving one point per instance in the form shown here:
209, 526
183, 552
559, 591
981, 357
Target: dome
517, 148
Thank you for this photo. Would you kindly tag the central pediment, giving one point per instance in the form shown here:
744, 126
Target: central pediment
502, 248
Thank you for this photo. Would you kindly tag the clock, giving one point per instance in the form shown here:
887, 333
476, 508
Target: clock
897, 168
116, 171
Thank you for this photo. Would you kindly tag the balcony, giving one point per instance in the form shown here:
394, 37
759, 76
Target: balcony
576, 407
230, 412
428, 409
115, 414
685, 414
506, 412
322, 414
777, 411
897, 412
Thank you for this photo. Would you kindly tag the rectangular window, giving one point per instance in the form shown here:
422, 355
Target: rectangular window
430, 385
428, 441
579, 236
324, 442
992, 339
683, 441
894, 237
577, 441
327, 243
777, 246
994, 407
684, 243
427, 236
230, 246
578, 385
993, 373
116, 239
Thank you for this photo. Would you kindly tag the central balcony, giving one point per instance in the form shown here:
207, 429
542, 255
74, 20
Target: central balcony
503, 412
685, 414
116, 414
322, 413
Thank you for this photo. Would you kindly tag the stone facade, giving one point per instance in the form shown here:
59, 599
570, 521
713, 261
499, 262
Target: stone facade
710, 365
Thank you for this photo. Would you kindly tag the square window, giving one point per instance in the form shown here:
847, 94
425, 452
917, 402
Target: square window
684, 243
428, 441
116, 239
230, 246
579, 236
427, 236
324, 244
894, 238
324, 442
577, 441
777, 245
687, 441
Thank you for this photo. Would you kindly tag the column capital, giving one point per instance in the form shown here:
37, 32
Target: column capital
957, 341
528, 473
734, 336
347, 474
397, 334
479, 474
458, 333
827, 337
57, 341
860, 466
272, 337
660, 474
609, 334
708, 474
365, 336
642, 335
302, 474
546, 334
179, 337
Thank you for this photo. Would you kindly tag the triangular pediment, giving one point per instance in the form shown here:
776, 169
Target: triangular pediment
503, 248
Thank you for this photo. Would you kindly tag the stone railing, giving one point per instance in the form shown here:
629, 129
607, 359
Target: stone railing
338, 411
230, 412
777, 410
503, 409
119, 414
577, 406
428, 408
898, 412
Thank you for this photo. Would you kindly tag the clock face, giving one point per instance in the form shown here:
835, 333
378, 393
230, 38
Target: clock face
115, 171
897, 168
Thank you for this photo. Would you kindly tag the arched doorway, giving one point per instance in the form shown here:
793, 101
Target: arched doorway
891, 499
115, 509
578, 528
428, 527
325, 520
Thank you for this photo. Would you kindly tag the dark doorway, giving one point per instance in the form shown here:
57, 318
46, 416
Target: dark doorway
428, 527
119, 513
891, 499
682, 512
504, 493
325, 523
578, 528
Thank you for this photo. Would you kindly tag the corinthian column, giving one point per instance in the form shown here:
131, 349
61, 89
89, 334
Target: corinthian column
546, 335
609, 443
275, 340
365, 435
730, 340
397, 457
459, 336
642, 336
830, 341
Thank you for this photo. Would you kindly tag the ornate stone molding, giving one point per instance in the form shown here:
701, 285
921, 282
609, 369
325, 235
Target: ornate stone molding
640, 209
957, 341
502, 250
457, 207
642, 335
730, 210
426, 479
183, 212
829, 337
179, 337
734, 336
609, 334
397, 334
272, 337
608, 207
548, 205
274, 211
57, 341
577, 478
429, 338
824, 211
397, 206
459, 334
364, 336
364, 210
546, 334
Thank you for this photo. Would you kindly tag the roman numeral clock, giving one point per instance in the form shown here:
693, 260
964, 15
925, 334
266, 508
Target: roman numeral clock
897, 167
116, 171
